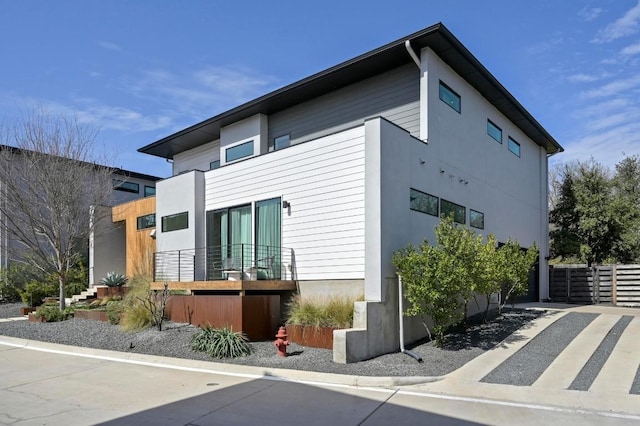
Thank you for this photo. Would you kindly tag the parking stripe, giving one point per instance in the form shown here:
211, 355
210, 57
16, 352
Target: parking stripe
617, 373
525, 366
566, 367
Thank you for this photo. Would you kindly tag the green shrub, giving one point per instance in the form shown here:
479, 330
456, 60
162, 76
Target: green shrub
113, 279
73, 288
34, 292
115, 309
221, 342
321, 312
8, 291
51, 313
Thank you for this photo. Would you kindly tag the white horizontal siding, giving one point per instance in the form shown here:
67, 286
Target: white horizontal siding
324, 182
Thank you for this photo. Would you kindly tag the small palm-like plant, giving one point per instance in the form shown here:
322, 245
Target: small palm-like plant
113, 279
221, 342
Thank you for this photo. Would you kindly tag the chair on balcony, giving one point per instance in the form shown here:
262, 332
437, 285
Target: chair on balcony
265, 267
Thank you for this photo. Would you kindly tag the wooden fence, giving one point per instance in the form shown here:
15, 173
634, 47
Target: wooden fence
615, 284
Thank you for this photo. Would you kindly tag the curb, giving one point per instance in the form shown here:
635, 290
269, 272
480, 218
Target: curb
211, 367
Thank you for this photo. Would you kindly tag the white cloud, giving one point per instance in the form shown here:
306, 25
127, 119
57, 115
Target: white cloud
631, 50
613, 88
582, 78
109, 46
622, 27
589, 13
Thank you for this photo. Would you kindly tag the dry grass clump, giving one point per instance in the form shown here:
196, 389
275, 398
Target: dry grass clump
334, 311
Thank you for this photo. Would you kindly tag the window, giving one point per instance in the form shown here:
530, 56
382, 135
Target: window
239, 151
214, 165
147, 221
279, 142
424, 203
449, 97
476, 219
494, 131
149, 191
121, 185
175, 222
448, 208
514, 147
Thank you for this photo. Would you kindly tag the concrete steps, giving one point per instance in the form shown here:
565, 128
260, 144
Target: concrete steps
86, 294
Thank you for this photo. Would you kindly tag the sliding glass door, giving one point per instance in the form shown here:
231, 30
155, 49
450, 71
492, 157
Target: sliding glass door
268, 235
229, 240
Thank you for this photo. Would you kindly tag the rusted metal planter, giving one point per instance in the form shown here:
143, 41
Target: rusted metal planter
313, 337
92, 314
104, 291
26, 310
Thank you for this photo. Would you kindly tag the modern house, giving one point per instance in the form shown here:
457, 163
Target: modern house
127, 185
319, 182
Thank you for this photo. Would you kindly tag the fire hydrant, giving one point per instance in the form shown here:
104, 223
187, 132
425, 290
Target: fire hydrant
281, 342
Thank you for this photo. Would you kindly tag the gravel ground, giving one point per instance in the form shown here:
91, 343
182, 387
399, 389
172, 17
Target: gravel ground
174, 340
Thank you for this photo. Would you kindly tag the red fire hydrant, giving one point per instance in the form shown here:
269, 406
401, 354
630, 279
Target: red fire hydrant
281, 342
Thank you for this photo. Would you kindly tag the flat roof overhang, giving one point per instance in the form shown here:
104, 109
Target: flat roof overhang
437, 37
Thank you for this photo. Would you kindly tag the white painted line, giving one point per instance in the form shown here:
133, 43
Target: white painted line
520, 405
566, 367
618, 372
199, 370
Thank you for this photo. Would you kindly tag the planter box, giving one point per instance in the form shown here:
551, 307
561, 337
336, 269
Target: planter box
93, 314
34, 318
313, 337
104, 291
26, 310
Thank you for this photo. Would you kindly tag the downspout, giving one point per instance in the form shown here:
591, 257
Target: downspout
401, 322
413, 55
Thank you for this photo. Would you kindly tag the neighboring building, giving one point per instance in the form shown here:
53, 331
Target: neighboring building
127, 186
346, 166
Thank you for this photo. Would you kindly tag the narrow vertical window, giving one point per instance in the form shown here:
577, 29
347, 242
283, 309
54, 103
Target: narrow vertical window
476, 219
449, 97
494, 131
514, 147
279, 142
214, 165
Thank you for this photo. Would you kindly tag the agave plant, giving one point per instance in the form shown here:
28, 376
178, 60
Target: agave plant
113, 279
221, 342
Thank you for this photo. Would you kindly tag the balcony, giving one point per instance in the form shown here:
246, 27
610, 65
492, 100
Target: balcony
235, 267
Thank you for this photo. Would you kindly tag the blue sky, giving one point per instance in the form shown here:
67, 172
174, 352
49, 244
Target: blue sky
141, 70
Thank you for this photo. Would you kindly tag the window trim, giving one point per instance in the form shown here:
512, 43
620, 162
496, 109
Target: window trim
172, 216
446, 88
511, 143
273, 143
231, 148
492, 124
471, 213
146, 187
121, 185
138, 221
464, 210
411, 190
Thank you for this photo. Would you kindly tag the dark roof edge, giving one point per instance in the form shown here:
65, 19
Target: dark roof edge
436, 28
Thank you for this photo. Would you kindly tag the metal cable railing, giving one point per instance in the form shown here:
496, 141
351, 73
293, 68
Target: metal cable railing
232, 261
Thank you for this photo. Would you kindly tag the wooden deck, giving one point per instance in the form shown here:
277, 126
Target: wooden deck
240, 285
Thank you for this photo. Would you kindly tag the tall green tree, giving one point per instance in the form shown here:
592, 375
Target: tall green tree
626, 187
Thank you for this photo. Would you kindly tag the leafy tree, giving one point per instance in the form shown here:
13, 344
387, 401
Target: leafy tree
440, 280
626, 187
50, 181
